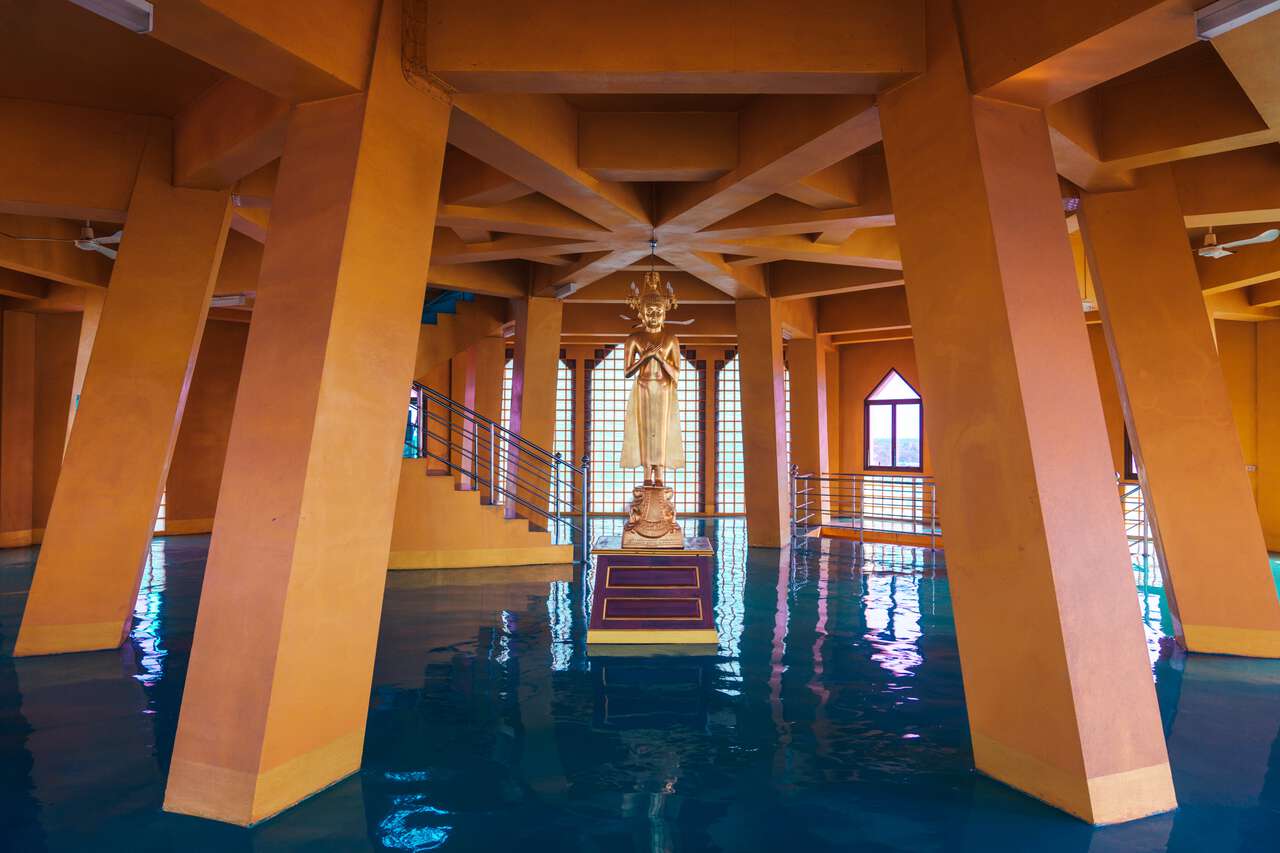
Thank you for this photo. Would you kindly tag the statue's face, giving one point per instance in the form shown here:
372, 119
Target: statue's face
653, 314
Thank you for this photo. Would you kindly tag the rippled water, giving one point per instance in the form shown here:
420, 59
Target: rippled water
830, 717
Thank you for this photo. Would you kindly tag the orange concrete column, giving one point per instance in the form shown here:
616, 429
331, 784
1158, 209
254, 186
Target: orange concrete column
1181, 428
810, 448
533, 396
1269, 432
277, 692
114, 469
17, 428
764, 428
486, 359
89, 320
195, 475
1036, 554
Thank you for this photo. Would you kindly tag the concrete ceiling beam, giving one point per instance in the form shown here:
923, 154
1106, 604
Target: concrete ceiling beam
854, 46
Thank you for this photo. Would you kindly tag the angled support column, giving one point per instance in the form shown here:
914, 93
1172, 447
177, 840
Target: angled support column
482, 393
1181, 428
1036, 554
277, 692
1269, 432
533, 395
134, 391
764, 425
17, 428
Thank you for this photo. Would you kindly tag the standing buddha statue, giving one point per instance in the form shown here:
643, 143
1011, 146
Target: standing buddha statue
651, 436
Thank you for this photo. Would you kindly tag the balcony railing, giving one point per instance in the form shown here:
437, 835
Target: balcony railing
901, 505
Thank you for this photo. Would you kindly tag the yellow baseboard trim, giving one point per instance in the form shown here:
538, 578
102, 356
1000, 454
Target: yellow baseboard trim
475, 558
880, 536
186, 526
1114, 798
21, 538
34, 640
614, 636
1243, 642
246, 798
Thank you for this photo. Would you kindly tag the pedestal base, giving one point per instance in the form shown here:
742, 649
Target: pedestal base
652, 523
654, 596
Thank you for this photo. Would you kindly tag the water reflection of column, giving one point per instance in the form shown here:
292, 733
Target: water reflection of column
1223, 738
821, 729
778, 652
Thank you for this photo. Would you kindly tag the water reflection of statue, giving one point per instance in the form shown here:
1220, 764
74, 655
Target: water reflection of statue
651, 437
651, 434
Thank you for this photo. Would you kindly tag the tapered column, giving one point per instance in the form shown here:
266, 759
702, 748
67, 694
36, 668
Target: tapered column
1269, 432
533, 397
17, 428
1181, 428
810, 448
277, 691
1036, 554
134, 391
764, 425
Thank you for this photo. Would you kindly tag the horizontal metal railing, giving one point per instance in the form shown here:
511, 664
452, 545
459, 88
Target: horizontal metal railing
863, 503
526, 479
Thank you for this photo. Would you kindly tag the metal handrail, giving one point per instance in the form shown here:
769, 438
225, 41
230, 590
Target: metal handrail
876, 502
487, 456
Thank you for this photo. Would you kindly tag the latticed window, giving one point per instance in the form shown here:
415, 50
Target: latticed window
786, 386
729, 462
563, 441
564, 427
891, 433
607, 392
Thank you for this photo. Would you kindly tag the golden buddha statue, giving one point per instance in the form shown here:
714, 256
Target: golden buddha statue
651, 436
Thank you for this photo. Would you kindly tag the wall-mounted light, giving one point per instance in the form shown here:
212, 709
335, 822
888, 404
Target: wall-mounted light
133, 15
1225, 15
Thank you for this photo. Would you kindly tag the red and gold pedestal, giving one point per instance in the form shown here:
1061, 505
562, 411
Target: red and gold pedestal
652, 596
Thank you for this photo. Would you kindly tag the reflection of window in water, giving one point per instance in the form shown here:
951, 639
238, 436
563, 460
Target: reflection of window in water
891, 604
608, 390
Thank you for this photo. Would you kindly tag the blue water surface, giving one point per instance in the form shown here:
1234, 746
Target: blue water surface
830, 717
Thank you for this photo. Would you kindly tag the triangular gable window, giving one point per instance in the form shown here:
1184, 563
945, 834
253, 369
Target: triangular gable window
893, 387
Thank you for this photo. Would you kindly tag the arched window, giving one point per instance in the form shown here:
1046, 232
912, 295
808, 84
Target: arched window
891, 426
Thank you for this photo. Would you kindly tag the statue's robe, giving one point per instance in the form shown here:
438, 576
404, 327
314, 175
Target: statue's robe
651, 432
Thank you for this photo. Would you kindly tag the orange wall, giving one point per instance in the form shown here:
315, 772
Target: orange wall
195, 474
1238, 353
57, 339
862, 366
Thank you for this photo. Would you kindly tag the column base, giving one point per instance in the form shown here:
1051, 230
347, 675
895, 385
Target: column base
34, 640
244, 798
1100, 800
1242, 642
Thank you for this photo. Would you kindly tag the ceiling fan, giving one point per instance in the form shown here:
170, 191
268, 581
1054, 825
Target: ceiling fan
85, 242
1213, 249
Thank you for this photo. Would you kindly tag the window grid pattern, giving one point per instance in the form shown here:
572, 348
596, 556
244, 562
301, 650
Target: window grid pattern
786, 387
508, 374
730, 471
563, 443
607, 393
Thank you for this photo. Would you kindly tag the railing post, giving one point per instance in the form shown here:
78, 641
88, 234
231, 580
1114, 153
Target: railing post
493, 458
586, 474
553, 500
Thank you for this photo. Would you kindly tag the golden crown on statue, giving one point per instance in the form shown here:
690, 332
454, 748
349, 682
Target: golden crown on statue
652, 291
